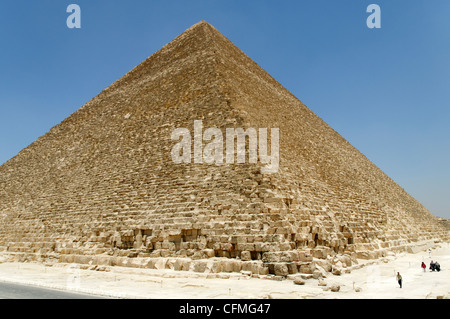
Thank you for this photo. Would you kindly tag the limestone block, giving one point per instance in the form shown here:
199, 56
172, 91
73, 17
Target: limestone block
319, 253
258, 247
186, 264
209, 253
178, 264
335, 288
198, 255
212, 266
246, 255
237, 266
160, 263
299, 281
138, 262
286, 246
368, 254
285, 256
317, 274
171, 263
165, 253
322, 283
271, 257
247, 266
198, 266
256, 267
281, 269
102, 260
307, 268
81, 259
263, 270
99, 251
345, 260
294, 255
246, 246
156, 253
227, 265
337, 270
226, 246
292, 268
69, 259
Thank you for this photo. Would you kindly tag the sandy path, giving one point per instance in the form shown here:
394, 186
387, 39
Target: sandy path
372, 281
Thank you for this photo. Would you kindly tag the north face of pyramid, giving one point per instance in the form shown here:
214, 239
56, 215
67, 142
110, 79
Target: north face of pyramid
102, 187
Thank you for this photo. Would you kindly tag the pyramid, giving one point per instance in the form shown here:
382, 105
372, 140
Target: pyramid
102, 188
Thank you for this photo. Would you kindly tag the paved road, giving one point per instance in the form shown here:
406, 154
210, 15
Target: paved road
15, 291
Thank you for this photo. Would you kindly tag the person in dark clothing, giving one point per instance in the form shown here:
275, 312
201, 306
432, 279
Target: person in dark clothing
437, 266
432, 266
399, 279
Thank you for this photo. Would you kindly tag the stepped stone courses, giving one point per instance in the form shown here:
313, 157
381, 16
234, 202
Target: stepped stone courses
101, 188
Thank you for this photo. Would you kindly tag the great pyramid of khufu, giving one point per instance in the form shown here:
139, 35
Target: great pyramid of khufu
102, 188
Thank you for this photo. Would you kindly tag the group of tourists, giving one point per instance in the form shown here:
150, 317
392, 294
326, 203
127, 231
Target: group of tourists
434, 266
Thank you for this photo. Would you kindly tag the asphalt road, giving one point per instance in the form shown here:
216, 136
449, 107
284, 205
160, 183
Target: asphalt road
15, 291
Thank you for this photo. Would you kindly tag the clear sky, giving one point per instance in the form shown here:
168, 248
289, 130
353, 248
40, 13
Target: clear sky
387, 90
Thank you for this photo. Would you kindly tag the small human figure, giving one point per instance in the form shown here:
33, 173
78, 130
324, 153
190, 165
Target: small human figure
424, 266
437, 266
432, 266
399, 279
429, 252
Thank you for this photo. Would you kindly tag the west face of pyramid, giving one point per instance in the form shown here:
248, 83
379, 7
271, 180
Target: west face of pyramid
102, 186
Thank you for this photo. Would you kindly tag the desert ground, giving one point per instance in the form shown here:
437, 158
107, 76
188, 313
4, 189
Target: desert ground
376, 280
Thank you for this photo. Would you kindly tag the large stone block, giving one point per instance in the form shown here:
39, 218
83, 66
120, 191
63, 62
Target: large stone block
280, 269
198, 266
246, 255
307, 268
271, 257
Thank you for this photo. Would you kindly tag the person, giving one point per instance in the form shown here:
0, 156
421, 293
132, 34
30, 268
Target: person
437, 266
432, 266
399, 279
424, 266
429, 252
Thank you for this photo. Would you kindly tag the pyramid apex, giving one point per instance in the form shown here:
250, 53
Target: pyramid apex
200, 25
201, 22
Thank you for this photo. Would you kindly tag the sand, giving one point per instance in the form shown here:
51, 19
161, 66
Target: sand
376, 280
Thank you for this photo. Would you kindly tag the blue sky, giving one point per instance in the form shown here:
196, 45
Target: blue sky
385, 90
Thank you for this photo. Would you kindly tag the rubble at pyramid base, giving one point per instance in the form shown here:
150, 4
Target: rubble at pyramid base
272, 249
315, 263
